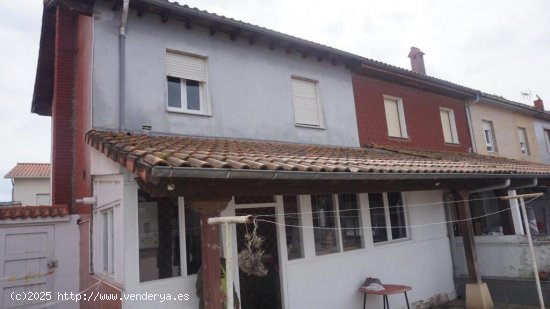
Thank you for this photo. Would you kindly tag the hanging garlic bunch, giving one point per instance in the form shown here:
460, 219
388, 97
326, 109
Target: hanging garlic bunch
250, 259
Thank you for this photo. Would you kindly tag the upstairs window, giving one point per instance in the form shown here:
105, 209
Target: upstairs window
449, 125
305, 97
489, 136
547, 139
395, 117
523, 143
186, 83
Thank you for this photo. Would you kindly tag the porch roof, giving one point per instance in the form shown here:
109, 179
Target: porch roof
24, 212
153, 157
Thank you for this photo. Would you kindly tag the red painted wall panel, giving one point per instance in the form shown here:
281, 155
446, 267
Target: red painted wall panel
421, 110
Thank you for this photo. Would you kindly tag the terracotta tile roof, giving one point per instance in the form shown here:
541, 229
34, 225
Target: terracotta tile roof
133, 151
29, 170
24, 212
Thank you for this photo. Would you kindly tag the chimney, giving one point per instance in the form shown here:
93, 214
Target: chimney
417, 60
539, 104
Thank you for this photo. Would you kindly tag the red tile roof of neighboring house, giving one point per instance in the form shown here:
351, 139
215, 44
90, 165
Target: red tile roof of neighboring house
200, 153
29, 170
24, 212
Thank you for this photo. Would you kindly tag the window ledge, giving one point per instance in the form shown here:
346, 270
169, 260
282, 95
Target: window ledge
399, 139
391, 242
452, 144
309, 126
186, 112
109, 280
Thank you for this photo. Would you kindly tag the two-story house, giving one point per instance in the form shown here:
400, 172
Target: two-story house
164, 116
31, 183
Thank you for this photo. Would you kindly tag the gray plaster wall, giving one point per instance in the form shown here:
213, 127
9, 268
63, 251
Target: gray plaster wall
540, 126
249, 85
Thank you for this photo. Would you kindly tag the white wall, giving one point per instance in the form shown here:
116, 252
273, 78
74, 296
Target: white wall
26, 189
249, 85
504, 256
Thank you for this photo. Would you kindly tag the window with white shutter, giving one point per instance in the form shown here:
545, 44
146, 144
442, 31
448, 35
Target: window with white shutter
449, 125
523, 143
305, 96
395, 117
186, 79
489, 136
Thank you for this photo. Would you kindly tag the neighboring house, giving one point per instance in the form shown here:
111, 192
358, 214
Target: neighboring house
408, 109
31, 183
190, 115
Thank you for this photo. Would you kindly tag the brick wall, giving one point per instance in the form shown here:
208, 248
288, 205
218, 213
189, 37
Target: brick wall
62, 110
421, 110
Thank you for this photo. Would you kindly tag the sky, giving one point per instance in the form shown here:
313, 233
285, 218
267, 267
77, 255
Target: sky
500, 47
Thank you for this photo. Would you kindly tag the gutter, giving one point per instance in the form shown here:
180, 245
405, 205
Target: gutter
225, 173
122, 66
469, 119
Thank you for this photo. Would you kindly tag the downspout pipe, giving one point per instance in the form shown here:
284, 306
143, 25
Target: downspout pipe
533, 184
504, 185
122, 65
469, 119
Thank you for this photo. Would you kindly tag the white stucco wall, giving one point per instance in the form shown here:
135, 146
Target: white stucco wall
26, 189
249, 85
504, 256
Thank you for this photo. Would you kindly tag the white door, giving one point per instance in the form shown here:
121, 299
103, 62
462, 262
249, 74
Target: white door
24, 256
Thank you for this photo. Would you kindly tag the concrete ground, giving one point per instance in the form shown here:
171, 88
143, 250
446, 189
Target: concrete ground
460, 304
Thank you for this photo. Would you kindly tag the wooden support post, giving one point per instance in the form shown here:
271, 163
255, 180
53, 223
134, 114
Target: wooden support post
210, 248
467, 228
477, 292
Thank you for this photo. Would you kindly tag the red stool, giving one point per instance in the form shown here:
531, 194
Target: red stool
389, 289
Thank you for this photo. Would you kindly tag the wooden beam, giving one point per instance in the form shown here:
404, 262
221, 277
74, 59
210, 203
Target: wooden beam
188, 24
289, 48
467, 229
272, 44
140, 9
252, 40
214, 28
210, 248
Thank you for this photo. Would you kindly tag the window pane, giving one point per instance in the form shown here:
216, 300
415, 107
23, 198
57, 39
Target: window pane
350, 222
397, 215
377, 217
159, 249
111, 242
324, 223
446, 124
293, 233
193, 251
392, 117
174, 92
105, 220
193, 95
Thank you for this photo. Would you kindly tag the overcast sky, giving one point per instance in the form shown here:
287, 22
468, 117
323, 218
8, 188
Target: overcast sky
500, 47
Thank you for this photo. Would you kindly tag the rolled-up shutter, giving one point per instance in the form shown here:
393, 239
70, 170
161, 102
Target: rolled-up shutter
185, 67
306, 102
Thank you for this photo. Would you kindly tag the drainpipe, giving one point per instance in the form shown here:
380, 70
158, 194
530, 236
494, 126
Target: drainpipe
469, 119
504, 185
122, 65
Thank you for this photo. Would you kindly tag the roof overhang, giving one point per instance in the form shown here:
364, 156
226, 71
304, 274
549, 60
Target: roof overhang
515, 106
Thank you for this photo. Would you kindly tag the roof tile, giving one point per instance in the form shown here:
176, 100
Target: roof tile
24, 212
29, 170
217, 153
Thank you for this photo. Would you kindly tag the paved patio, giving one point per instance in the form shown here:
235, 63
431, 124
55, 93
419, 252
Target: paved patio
460, 304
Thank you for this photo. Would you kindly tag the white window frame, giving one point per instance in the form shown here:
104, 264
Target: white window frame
487, 126
452, 125
205, 104
111, 270
523, 142
338, 227
388, 219
546, 132
400, 115
321, 124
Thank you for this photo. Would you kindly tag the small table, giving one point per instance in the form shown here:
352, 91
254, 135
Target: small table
389, 289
